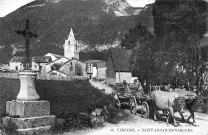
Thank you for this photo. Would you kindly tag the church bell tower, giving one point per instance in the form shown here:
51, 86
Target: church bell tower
71, 48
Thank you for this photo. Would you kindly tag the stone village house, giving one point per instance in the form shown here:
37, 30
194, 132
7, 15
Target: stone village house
67, 65
92, 68
38, 63
118, 66
101, 70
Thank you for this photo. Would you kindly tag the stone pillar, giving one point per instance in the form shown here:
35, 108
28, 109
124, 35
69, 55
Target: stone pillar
29, 114
27, 86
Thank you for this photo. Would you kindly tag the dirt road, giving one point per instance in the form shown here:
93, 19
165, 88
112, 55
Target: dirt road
136, 125
101, 85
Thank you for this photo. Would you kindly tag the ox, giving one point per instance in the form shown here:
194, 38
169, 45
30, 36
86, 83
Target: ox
167, 101
194, 103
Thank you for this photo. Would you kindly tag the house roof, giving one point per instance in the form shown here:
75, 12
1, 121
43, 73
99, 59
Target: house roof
57, 71
17, 59
36, 59
57, 60
101, 65
92, 61
71, 60
41, 59
120, 58
56, 55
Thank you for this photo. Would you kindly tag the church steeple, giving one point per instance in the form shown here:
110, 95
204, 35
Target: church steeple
71, 37
71, 34
71, 48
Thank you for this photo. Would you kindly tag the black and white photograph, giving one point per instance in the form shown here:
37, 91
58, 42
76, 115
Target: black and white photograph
103, 67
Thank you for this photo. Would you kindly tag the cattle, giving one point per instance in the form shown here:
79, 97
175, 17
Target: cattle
167, 101
194, 103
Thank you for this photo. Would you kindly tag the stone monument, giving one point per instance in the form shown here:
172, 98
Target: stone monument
29, 114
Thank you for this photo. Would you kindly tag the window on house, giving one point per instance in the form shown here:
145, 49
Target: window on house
71, 68
35, 66
16, 68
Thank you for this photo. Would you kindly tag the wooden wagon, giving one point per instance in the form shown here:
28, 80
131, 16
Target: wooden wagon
122, 96
140, 102
135, 98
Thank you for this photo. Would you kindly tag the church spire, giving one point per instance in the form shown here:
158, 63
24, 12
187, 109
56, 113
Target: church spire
71, 34
71, 48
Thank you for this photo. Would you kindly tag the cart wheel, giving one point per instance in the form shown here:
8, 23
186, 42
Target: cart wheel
133, 105
145, 110
118, 103
165, 113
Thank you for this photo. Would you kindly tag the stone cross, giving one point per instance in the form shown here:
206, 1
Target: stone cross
27, 34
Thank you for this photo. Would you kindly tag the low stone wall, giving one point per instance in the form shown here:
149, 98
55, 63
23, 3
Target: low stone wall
68, 78
43, 77
9, 75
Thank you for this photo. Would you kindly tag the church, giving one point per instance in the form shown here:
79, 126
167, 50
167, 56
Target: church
53, 65
69, 64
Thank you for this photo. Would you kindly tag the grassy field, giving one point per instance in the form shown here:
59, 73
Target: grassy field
66, 98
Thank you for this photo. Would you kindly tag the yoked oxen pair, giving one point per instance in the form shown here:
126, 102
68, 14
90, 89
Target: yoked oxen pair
194, 103
167, 101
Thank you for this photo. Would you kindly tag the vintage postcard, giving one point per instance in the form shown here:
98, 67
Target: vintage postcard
103, 67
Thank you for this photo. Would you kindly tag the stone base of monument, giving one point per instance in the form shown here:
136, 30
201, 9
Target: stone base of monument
29, 117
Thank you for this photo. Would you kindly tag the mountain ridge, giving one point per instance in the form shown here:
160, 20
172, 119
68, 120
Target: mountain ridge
52, 22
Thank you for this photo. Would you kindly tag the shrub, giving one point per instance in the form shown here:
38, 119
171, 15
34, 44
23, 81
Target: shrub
67, 100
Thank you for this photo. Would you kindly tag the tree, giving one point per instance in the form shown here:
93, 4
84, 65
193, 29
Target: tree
138, 34
6, 54
140, 40
142, 63
180, 25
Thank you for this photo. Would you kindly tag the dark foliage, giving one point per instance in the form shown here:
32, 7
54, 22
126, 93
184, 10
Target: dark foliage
179, 27
174, 54
137, 35
185, 15
94, 55
67, 100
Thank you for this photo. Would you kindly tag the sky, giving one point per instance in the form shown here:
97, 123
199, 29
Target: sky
8, 6
139, 3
